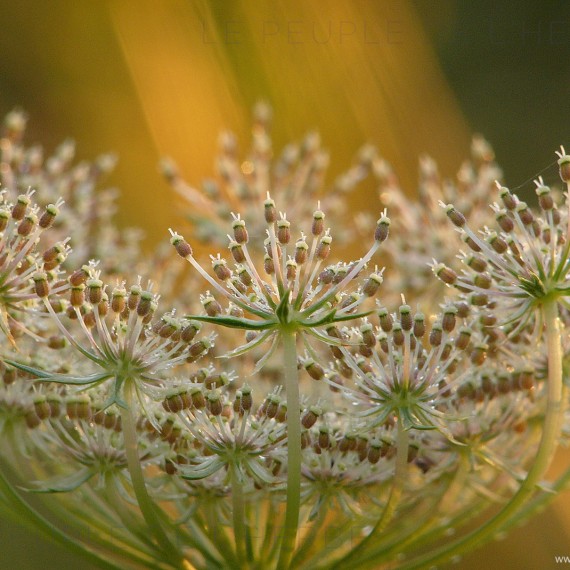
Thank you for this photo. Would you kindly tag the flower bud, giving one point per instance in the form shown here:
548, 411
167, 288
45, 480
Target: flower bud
80, 275
27, 225
183, 248
314, 369
237, 251
318, 223
382, 228
240, 231
456, 217
47, 218
446, 274
301, 249
41, 284
505, 221
564, 165
270, 211
385, 318
211, 306
221, 270
283, 231
324, 247
406, 321
94, 291
372, 284
20, 207
419, 325
463, 338
436, 334
508, 199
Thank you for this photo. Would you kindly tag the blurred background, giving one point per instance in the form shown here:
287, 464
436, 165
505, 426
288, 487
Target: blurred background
149, 78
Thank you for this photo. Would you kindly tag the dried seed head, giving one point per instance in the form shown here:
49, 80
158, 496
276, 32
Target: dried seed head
372, 284
406, 321
211, 306
246, 398
183, 248
94, 291
237, 251
398, 335
220, 268
291, 269
463, 338
301, 249
456, 217
446, 274
476, 262
324, 247
471, 243
270, 210
419, 325
382, 228
146, 305
134, 297
505, 222
564, 164
77, 297
508, 199
545, 200
118, 299
189, 331
368, 336
479, 354
20, 207
48, 217
27, 225
268, 264
436, 334
497, 243
41, 284
80, 275
283, 231
318, 225
525, 214
314, 369
385, 318
240, 231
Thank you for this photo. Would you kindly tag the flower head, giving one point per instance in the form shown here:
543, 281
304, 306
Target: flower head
296, 291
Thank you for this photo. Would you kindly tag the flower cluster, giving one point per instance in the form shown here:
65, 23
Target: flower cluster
298, 410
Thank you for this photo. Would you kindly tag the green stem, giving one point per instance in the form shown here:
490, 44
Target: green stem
293, 450
402, 445
219, 537
545, 452
146, 504
267, 550
309, 539
238, 512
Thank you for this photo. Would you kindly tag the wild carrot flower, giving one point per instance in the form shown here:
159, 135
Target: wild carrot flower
295, 292
363, 437
22, 224
118, 334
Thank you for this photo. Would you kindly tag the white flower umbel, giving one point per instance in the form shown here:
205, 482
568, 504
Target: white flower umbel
297, 296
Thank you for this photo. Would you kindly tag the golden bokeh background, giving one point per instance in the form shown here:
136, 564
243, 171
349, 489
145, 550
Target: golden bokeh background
149, 78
